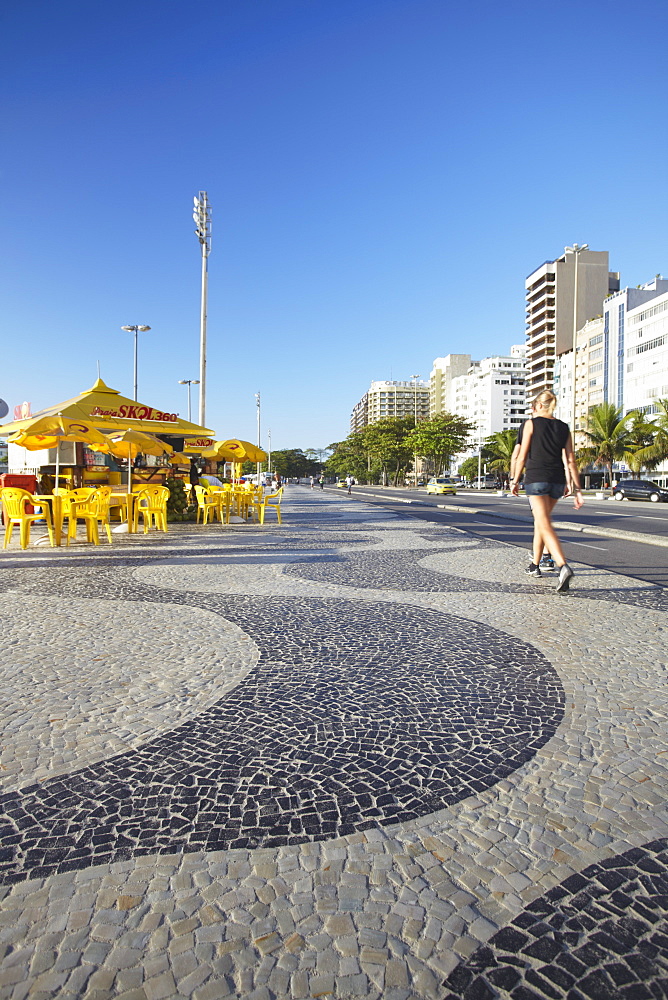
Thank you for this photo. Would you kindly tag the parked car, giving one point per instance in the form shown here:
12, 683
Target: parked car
639, 489
441, 485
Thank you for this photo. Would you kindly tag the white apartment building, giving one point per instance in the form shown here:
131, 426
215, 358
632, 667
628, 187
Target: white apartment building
550, 309
440, 381
589, 387
391, 399
622, 358
637, 330
492, 394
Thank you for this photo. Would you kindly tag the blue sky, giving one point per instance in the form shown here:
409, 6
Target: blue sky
383, 176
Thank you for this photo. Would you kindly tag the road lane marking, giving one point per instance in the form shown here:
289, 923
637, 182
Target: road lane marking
584, 544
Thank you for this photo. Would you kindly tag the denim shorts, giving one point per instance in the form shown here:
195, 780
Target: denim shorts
554, 490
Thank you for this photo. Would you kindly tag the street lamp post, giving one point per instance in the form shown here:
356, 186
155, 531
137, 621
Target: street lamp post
415, 458
259, 439
135, 330
576, 250
189, 382
202, 220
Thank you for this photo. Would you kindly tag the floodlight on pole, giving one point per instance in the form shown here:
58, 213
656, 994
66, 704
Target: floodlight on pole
189, 382
576, 250
135, 330
202, 220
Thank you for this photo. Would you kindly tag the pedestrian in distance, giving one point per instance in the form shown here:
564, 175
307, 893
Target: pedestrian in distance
350, 482
312, 481
321, 480
546, 453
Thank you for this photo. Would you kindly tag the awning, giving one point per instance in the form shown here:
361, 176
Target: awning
106, 409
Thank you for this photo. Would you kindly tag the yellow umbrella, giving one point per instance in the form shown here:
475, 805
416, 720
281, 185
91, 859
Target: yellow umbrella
108, 410
235, 450
178, 458
47, 432
128, 444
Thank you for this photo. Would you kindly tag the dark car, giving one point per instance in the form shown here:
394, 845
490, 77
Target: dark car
639, 489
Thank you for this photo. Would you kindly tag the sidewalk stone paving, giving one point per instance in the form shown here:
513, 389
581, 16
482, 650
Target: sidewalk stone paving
355, 755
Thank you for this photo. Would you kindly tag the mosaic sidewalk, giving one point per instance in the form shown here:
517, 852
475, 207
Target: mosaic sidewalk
357, 755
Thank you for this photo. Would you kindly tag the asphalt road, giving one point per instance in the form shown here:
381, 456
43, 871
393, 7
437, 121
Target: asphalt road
639, 560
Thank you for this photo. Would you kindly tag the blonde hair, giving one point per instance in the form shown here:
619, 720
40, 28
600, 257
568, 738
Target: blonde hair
545, 400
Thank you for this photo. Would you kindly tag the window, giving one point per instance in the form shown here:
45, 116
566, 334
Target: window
652, 311
649, 345
598, 339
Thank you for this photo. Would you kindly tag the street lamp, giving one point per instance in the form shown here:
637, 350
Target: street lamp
259, 439
135, 330
189, 382
577, 250
202, 220
415, 458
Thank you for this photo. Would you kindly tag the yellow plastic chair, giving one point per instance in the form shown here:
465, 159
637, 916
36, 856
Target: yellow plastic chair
93, 510
14, 503
272, 501
67, 496
151, 503
206, 504
224, 499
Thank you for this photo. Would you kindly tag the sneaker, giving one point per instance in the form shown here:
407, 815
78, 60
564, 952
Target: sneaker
565, 576
533, 570
547, 562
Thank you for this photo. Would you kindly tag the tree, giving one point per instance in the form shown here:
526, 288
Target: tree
501, 446
469, 467
292, 463
657, 450
608, 436
439, 438
640, 451
349, 457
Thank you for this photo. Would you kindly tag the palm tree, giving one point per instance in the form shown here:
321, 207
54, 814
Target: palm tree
501, 446
657, 450
608, 434
641, 452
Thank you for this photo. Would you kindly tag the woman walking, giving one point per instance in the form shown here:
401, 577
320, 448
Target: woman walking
546, 454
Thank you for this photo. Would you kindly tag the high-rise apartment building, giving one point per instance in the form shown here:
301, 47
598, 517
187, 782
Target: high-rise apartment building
391, 399
550, 309
622, 356
440, 381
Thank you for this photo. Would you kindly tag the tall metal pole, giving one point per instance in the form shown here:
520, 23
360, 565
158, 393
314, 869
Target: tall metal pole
202, 219
576, 250
135, 378
189, 382
135, 329
259, 440
269, 439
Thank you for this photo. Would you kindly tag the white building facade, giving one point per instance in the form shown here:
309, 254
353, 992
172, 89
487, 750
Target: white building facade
492, 395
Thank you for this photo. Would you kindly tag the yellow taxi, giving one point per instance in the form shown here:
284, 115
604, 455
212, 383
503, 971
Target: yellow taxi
438, 485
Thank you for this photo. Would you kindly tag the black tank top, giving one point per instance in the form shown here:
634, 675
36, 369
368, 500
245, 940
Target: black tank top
544, 462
